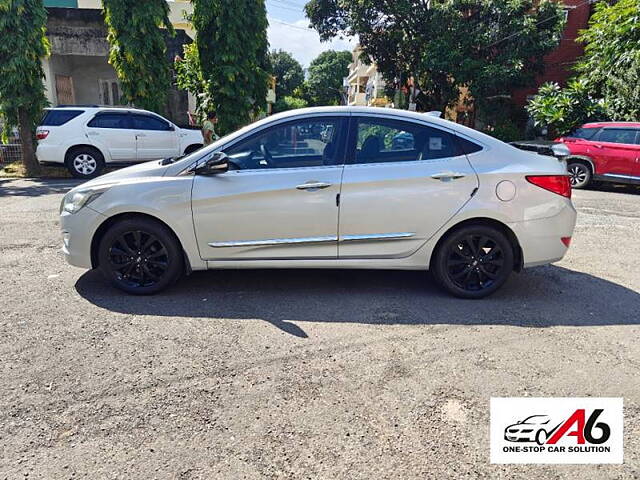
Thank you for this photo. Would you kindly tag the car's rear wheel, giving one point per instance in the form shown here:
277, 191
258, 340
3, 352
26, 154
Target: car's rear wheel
541, 437
85, 162
140, 256
473, 261
579, 174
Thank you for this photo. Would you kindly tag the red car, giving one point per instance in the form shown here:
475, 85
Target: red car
604, 151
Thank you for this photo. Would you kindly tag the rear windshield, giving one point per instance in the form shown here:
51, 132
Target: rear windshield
55, 118
585, 133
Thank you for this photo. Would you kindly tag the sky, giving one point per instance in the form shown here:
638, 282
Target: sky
288, 30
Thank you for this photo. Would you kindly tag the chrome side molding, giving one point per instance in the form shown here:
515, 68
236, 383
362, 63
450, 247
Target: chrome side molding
273, 241
377, 236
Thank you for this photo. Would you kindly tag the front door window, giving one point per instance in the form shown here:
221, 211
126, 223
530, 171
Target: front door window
304, 143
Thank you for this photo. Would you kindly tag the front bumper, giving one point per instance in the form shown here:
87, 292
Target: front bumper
540, 239
78, 230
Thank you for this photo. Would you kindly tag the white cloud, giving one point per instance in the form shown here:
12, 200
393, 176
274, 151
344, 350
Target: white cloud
302, 42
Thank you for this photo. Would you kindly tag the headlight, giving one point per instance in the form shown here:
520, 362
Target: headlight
74, 201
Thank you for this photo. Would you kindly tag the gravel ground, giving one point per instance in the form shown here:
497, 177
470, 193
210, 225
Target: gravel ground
302, 374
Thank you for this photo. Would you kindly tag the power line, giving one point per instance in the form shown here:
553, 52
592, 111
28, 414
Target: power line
286, 8
310, 30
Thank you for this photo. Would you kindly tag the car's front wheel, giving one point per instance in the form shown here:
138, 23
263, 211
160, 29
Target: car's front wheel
140, 256
579, 174
473, 261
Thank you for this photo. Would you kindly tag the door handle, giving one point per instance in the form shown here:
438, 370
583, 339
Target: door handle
141, 134
597, 146
446, 176
313, 186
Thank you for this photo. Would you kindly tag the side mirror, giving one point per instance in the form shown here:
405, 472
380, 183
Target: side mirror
217, 163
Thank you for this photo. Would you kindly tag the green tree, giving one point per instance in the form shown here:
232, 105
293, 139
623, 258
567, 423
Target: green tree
326, 73
488, 46
611, 63
288, 103
233, 51
138, 50
189, 77
562, 109
288, 72
23, 46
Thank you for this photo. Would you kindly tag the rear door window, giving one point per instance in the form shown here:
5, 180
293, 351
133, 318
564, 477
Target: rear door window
110, 120
381, 140
56, 118
618, 135
149, 122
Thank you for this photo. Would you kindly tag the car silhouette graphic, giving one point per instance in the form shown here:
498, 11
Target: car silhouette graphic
536, 428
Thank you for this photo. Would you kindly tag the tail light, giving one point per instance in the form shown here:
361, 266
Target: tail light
559, 184
42, 134
566, 241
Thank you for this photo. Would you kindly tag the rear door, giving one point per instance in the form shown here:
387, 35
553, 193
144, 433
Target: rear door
155, 137
112, 131
617, 151
403, 182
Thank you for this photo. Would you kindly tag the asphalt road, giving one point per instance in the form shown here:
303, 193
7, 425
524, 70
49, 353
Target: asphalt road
302, 374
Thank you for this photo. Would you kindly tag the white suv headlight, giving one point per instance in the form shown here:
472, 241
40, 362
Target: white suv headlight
74, 201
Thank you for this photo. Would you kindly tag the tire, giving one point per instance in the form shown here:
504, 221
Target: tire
192, 148
541, 437
579, 174
473, 261
84, 162
140, 256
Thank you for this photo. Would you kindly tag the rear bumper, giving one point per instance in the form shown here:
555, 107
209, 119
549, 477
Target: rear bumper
541, 239
50, 155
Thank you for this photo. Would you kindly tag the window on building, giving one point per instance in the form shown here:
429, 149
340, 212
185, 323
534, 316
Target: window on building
109, 92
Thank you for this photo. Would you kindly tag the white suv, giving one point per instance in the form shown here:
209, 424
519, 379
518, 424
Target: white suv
85, 139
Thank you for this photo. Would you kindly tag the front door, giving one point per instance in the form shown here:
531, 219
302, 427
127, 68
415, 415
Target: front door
112, 131
403, 182
155, 137
280, 199
616, 151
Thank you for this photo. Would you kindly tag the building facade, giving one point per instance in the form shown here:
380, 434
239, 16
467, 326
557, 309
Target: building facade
78, 71
365, 85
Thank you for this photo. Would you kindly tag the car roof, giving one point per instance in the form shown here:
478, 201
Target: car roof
426, 117
101, 108
611, 124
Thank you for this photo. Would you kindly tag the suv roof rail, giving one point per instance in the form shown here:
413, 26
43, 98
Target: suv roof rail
70, 106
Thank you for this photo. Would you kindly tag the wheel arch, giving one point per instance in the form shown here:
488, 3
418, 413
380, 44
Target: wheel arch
518, 257
584, 160
104, 227
84, 145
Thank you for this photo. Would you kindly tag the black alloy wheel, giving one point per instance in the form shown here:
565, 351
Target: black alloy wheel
140, 256
474, 261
